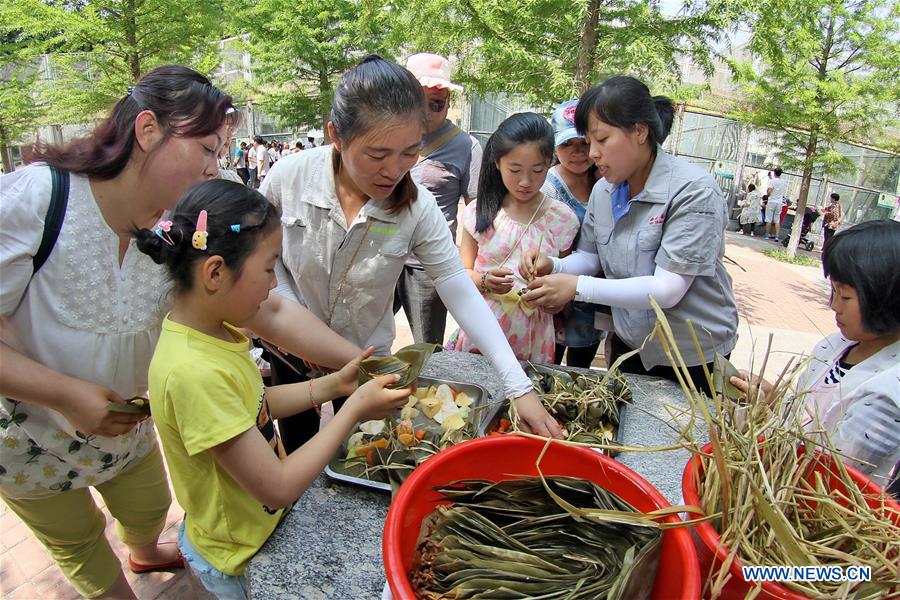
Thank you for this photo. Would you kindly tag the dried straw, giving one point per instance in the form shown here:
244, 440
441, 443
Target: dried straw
771, 489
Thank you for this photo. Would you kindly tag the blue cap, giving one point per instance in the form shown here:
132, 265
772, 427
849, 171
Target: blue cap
563, 122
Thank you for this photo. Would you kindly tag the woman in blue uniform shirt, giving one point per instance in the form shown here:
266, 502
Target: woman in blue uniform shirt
655, 224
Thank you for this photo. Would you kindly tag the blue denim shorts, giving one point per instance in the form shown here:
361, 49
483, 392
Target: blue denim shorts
217, 583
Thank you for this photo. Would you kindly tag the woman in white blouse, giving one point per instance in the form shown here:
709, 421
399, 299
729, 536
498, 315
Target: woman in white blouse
78, 332
352, 216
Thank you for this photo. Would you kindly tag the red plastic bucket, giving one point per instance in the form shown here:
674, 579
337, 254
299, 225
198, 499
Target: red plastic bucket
503, 457
711, 552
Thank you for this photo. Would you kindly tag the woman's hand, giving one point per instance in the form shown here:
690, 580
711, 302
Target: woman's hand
375, 401
86, 409
531, 268
743, 383
347, 379
552, 291
534, 418
499, 281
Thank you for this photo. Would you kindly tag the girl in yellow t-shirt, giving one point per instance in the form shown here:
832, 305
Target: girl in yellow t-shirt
214, 415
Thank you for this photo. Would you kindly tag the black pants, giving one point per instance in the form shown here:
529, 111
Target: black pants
297, 429
577, 357
426, 313
827, 233
634, 365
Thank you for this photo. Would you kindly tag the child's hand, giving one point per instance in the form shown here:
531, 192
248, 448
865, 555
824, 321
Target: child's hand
375, 401
531, 268
743, 383
346, 380
499, 281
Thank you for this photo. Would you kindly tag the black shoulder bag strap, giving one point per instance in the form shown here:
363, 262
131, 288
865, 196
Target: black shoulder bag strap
59, 199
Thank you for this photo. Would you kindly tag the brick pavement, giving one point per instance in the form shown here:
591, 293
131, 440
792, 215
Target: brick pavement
788, 301
28, 573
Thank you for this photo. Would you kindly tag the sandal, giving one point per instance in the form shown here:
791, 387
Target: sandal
136, 567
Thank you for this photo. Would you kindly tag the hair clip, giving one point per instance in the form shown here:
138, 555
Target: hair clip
198, 240
162, 231
236, 228
129, 90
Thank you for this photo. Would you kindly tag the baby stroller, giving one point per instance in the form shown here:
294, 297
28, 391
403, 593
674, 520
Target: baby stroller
810, 215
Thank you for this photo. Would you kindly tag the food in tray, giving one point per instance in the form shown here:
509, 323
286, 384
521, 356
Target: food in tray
520, 539
435, 417
585, 406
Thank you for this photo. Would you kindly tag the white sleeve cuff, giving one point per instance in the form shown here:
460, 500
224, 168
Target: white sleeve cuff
557, 265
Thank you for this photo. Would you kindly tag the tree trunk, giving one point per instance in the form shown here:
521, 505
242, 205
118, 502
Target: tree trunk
134, 59
8, 166
587, 46
324, 90
811, 147
5, 154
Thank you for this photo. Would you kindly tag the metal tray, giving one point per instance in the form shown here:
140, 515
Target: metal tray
337, 470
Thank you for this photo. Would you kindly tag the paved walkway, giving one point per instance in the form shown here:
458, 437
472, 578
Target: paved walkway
786, 301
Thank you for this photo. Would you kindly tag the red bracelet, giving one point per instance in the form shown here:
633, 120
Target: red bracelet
317, 407
484, 288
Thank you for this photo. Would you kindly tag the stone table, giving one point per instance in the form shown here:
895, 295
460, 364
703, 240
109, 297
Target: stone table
329, 546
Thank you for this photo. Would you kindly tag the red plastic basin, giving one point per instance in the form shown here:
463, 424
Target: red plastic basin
711, 552
503, 457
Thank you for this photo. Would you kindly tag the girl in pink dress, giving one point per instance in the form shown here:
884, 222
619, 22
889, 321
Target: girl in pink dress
510, 216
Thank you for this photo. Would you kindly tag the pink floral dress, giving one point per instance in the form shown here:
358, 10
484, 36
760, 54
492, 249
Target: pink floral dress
529, 331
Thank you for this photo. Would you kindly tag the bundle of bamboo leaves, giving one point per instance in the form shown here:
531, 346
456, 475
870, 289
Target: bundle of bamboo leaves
406, 362
776, 491
527, 538
587, 406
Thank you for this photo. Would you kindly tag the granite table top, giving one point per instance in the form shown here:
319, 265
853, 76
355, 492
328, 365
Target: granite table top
329, 546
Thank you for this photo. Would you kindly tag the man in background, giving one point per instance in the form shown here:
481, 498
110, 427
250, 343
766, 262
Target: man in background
449, 163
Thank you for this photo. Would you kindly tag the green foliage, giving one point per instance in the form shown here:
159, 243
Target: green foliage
19, 69
98, 48
531, 47
301, 47
828, 72
18, 110
784, 256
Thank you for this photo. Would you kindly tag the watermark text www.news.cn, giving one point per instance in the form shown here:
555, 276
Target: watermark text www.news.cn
807, 573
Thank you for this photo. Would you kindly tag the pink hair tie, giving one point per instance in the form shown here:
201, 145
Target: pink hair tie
162, 231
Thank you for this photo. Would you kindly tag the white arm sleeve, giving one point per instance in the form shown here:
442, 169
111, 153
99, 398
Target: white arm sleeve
467, 306
579, 262
667, 289
284, 283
